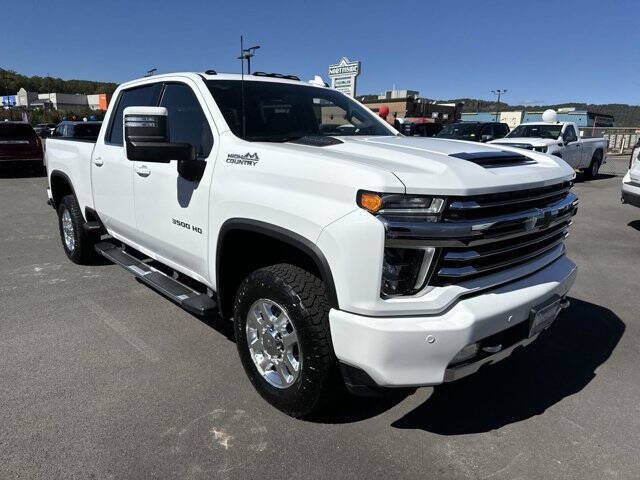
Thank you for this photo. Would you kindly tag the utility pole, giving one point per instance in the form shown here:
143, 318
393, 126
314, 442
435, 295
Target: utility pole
246, 54
498, 92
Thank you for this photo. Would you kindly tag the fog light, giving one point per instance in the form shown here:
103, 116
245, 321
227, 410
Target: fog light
404, 270
466, 353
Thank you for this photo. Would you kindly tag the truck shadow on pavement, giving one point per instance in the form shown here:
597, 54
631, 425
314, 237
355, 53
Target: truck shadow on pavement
560, 363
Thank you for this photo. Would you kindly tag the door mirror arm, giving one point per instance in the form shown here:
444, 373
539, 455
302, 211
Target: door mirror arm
191, 169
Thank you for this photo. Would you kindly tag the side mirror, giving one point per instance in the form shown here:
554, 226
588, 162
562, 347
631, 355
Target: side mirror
486, 138
146, 138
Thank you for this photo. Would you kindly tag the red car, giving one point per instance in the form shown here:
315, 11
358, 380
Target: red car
19, 145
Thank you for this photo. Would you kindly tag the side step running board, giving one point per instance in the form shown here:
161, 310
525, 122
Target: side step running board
189, 299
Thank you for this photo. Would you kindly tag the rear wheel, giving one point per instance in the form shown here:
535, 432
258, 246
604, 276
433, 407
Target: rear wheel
283, 339
77, 244
592, 172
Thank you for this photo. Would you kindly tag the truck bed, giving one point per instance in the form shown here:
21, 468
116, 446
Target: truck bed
73, 157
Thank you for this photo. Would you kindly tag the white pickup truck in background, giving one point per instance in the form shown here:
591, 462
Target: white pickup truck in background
561, 139
631, 181
335, 245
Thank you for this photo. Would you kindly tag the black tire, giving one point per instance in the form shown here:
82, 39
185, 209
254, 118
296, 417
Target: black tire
303, 297
82, 252
594, 166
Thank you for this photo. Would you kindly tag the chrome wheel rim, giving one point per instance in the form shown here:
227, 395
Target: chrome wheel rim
273, 343
67, 230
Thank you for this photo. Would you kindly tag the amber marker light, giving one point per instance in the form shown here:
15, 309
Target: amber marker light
370, 201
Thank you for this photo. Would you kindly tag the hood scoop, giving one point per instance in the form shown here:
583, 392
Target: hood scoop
494, 159
317, 141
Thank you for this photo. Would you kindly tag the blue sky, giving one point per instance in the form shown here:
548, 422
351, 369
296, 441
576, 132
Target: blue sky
542, 51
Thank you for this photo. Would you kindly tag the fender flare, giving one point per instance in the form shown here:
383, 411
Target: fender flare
282, 234
65, 177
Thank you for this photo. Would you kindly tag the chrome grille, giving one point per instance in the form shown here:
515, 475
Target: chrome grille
507, 229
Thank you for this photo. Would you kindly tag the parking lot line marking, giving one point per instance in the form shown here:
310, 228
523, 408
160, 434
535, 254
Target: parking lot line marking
118, 327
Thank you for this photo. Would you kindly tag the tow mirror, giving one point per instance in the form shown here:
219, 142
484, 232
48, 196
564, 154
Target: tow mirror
146, 138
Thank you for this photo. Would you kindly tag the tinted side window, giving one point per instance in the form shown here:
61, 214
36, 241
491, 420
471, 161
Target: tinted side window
187, 122
146, 96
570, 134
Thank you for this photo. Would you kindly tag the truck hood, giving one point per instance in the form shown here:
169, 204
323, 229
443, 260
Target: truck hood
534, 142
426, 165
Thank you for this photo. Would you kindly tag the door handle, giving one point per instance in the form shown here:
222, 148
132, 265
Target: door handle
143, 171
98, 162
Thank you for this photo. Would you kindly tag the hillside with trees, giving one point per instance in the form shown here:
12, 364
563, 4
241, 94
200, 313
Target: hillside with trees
11, 82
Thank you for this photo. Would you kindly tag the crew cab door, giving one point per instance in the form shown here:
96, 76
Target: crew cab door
172, 212
572, 149
111, 171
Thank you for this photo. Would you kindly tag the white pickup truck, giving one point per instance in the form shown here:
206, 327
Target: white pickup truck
631, 181
561, 139
342, 251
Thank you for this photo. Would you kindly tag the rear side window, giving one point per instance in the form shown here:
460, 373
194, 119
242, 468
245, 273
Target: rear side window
487, 130
16, 131
146, 96
187, 123
86, 131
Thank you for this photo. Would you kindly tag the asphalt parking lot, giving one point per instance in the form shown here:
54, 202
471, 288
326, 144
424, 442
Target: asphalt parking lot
100, 377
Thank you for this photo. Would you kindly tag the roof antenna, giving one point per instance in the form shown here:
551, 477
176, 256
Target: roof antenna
244, 118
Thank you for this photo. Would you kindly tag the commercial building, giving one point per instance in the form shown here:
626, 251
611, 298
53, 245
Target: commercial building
513, 119
99, 101
582, 118
407, 103
8, 100
61, 101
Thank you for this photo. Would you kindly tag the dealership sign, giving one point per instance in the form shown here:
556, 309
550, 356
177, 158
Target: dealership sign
343, 76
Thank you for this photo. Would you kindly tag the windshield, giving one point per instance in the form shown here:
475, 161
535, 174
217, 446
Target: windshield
536, 131
279, 112
458, 130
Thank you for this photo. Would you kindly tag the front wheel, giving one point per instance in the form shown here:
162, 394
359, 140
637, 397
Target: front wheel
282, 335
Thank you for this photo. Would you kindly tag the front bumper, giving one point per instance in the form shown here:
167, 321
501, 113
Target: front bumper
630, 191
417, 350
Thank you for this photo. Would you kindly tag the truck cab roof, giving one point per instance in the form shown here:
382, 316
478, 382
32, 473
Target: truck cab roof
260, 77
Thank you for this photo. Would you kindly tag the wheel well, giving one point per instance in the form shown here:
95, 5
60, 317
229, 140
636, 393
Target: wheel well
597, 154
60, 187
242, 250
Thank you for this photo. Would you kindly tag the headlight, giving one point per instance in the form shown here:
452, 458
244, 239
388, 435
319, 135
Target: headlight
405, 269
398, 204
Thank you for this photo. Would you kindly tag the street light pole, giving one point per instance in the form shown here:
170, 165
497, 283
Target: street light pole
498, 92
246, 54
